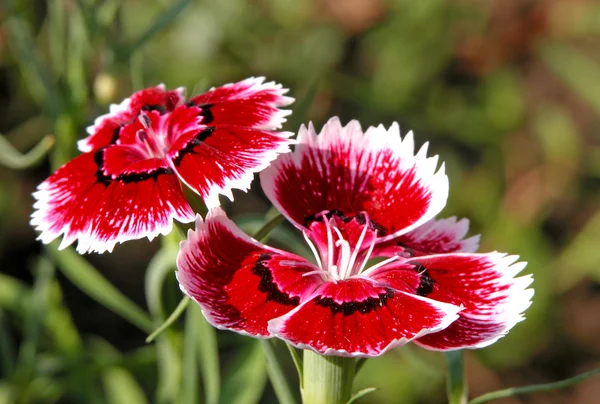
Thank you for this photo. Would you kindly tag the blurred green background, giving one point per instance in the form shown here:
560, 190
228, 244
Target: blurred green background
506, 92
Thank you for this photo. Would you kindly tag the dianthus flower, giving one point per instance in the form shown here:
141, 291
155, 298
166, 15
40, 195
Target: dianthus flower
385, 271
127, 184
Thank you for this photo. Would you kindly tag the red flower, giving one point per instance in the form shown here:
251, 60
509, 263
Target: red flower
385, 272
126, 185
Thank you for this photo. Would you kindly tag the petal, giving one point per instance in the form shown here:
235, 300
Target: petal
251, 103
239, 283
106, 128
434, 237
344, 170
214, 161
484, 285
359, 318
84, 201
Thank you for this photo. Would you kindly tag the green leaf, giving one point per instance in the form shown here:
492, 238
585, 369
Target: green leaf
516, 391
163, 21
245, 383
360, 394
208, 352
12, 158
171, 319
83, 275
121, 387
276, 374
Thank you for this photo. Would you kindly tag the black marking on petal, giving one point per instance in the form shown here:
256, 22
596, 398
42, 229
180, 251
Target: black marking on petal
195, 141
426, 281
125, 178
100, 176
153, 107
128, 178
206, 113
268, 286
116, 134
349, 308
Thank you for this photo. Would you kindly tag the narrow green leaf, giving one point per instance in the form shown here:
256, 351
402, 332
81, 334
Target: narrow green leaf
37, 76
276, 374
246, 381
208, 352
268, 227
536, 388
56, 34
121, 387
189, 379
12, 293
297, 361
172, 318
12, 158
83, 275
161, 265
456, 387
361, 393
35, 317
163, 21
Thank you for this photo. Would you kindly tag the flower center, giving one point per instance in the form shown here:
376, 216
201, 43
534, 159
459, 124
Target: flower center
153, 144
343, 245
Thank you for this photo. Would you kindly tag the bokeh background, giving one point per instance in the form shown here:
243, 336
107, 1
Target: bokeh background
506, 92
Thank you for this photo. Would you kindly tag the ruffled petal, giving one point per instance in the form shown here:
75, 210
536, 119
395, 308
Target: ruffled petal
344, 170
357, 317
106, 128
434, 237
239, 283
106, 197
216, 160
251, 103
484, 285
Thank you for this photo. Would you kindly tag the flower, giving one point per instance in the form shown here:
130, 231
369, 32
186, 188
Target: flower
385, 272
126, 184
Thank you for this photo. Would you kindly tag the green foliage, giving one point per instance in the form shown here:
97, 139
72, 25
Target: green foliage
510, 103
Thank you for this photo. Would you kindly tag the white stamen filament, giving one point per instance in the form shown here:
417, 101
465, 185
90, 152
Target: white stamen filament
356, 250
382, 263
329, 243
367, 256
313, 249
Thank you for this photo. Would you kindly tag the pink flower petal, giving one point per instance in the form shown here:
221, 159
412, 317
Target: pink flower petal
216, 160
239, 283
85, 202
434, 237
484, 285
106, 128
344, 169
357, 317
251, 103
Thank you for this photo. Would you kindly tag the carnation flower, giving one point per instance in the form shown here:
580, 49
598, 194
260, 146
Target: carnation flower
385, 271
127, 184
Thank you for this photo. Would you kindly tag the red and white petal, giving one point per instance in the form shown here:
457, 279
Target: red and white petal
239, 283
82, 202
106, 128
357, 317
345, 169
492, 298
435, 237
216, 160
251, 103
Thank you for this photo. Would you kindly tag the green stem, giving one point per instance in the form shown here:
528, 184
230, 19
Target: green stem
327, 379
456, 387
268, 227
172, 318
276, 374
515, 391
